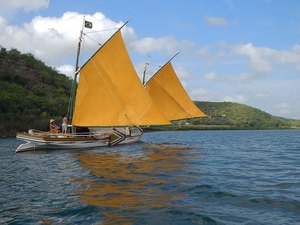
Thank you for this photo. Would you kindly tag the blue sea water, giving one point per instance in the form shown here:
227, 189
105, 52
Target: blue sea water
190, 177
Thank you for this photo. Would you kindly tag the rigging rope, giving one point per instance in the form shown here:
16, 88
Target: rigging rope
92, 39
99, 31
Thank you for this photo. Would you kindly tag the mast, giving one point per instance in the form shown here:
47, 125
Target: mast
74, 83
159, 69
144, 73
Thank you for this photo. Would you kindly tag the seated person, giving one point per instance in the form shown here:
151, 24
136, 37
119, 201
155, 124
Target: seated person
53, 127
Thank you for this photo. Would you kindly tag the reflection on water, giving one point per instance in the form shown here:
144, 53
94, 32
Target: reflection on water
126, 185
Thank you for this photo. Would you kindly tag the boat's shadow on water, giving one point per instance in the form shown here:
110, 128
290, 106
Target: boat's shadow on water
130, 183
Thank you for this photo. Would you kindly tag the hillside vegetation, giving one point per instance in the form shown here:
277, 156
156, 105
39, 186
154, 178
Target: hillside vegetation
31, 93
235, 115
228, 116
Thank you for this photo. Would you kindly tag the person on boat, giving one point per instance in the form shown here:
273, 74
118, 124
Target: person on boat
53, 127
64, 124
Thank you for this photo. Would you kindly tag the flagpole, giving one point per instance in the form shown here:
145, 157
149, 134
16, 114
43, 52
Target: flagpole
78, 51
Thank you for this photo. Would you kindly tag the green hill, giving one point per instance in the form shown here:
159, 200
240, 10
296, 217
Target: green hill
229, 115
240, 116
31, 93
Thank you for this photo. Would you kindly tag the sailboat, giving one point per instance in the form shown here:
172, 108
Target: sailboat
170, 96
109, 101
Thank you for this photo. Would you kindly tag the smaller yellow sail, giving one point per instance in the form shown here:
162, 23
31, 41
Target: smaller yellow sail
168, 93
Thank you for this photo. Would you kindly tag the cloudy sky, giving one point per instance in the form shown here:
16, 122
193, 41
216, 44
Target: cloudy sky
238, 51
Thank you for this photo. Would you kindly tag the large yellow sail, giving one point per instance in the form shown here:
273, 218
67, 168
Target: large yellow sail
110, 93
170, 96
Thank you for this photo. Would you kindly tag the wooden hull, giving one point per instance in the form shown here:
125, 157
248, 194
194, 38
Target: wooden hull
37, 141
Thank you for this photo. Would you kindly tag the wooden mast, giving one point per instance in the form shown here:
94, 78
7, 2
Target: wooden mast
74, 83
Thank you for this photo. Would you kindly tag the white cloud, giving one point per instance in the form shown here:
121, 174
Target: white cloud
201, 94
182, 73
216, 21
3, 24
26, 5
240, 77
263, 95
258, 56
167, 44
54, 39
249, 62
67, 70
49, 39
237, 98
211, 76
263, 59
284, 108
208, 55
183, 76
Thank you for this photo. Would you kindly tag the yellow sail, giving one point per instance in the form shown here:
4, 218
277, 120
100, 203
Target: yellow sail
170, 96
110, 93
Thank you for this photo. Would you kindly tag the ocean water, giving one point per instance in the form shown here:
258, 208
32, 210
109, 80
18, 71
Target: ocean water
191, 177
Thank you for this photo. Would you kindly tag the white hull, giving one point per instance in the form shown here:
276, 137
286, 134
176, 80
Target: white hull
37, 141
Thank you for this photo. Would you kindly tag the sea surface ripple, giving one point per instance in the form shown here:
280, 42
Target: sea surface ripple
184, 177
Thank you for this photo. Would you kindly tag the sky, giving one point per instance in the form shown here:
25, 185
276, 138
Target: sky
230, 50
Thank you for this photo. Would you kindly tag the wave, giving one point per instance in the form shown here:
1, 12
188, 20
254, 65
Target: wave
289, 205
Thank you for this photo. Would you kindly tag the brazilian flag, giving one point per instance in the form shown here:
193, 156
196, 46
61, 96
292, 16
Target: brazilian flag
88, 24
